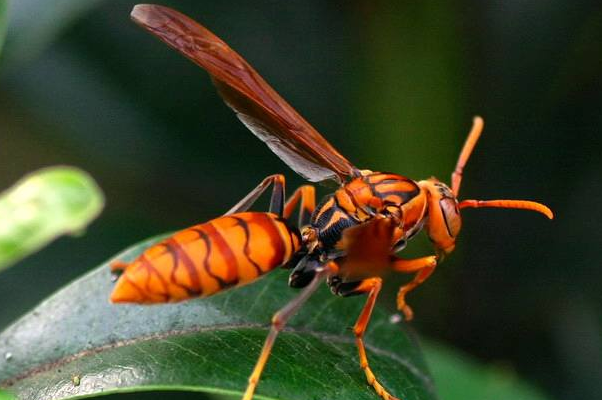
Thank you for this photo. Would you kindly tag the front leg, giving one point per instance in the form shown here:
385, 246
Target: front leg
370, 286
424, 267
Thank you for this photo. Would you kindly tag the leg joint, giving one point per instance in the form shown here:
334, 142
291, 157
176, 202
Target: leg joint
278, 322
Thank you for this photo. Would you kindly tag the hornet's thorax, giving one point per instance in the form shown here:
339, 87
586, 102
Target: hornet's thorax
408, 203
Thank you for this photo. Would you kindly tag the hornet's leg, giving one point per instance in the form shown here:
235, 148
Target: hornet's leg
423, 267
301, 274
279, 320
276, 201
118, 266
307, 195
372, 287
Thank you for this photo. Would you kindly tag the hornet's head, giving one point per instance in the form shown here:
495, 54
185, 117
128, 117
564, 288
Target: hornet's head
444, 221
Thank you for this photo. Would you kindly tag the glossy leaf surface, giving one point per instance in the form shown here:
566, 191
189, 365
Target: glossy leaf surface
43, 205
76, 343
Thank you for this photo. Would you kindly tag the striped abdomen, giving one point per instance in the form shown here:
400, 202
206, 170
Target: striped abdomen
207, 258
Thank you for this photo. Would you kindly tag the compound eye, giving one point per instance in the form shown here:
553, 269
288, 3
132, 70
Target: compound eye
451, 216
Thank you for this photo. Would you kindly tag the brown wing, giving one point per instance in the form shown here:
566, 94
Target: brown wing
368, 248
256, 104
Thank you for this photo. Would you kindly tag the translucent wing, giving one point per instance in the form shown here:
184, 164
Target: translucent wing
368, 248
256, 104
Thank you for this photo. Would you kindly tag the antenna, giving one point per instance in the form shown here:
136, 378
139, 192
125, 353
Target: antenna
456, 179
517, 204
471, 141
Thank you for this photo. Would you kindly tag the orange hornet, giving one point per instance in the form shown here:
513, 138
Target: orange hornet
350, 239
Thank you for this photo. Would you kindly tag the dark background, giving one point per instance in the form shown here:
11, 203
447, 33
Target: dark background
393, 85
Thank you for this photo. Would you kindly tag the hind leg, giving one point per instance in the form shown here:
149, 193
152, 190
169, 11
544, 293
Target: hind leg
306, 194
276, 201
279, 321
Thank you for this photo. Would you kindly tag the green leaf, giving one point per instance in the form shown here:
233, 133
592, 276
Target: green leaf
75, 343
3, 19
43, 205
5, 395
458, 377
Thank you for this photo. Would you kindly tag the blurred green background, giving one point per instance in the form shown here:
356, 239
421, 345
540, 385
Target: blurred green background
393, 85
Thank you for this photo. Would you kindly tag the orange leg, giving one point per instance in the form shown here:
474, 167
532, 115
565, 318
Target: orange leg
372, 287
307, 195
276, 202
117, 266
424, 267
279, 320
